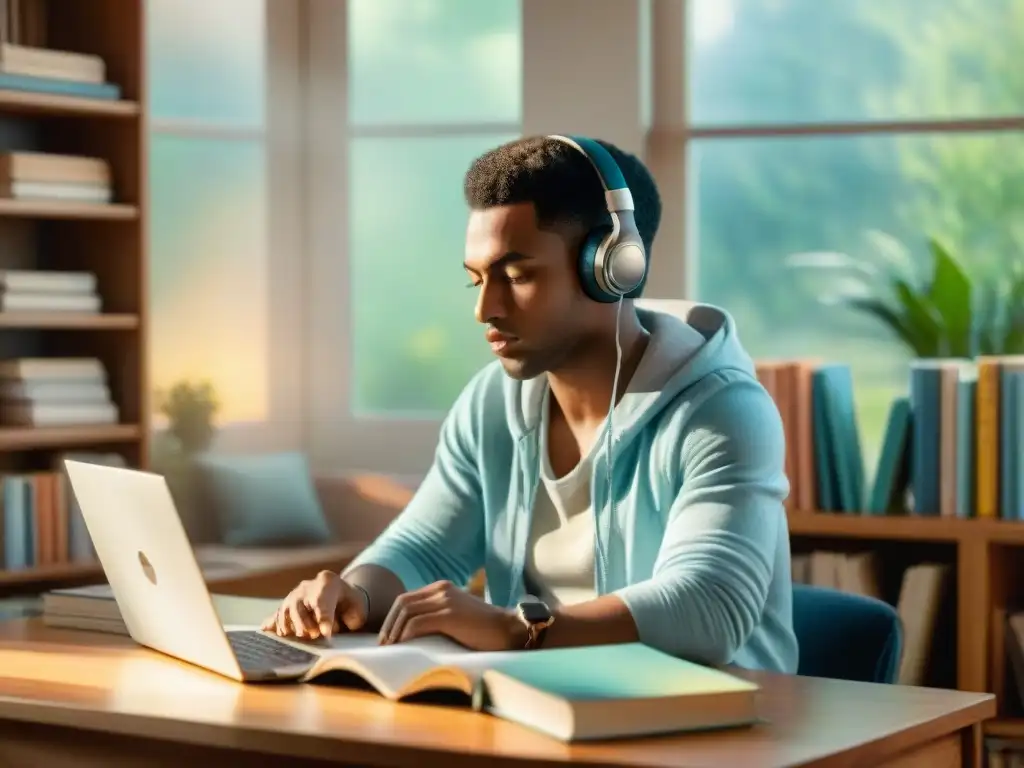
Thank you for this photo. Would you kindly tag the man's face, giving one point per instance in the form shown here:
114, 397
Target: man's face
530, 301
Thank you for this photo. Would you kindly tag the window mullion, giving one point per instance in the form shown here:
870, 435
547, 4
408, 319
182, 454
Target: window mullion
673, 262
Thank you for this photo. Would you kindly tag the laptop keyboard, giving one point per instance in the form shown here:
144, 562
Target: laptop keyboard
258, 651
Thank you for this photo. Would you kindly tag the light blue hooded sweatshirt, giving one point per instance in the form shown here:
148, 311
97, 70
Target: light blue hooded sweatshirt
694, 539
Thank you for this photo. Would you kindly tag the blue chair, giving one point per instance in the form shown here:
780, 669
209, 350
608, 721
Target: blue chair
846, 636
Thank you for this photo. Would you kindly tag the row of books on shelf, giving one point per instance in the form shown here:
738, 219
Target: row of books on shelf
55, 392
34, 290
966, 436
824, 462
953, 445
42, 524
956, 442
923, 587
26, 175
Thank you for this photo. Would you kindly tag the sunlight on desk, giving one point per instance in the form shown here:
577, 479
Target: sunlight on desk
159, 688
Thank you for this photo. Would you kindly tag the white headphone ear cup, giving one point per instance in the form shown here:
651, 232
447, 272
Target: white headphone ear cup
625, 267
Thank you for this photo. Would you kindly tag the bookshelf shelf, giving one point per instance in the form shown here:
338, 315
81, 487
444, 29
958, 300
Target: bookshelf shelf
905, 528
59, 209
46, 574
69, 321
27, 103
31, 438
1007, 728
898, 528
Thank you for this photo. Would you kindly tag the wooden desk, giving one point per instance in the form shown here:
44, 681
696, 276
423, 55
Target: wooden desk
78, 698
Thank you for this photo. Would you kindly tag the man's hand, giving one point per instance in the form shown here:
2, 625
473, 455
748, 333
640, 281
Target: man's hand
444, 609
319, 607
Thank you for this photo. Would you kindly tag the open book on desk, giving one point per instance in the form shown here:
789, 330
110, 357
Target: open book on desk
572, 694
401, 670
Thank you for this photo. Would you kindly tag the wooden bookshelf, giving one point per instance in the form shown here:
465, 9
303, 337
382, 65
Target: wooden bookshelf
107, 239
988, 565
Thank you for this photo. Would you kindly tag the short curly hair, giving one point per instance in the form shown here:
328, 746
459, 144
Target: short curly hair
561, 183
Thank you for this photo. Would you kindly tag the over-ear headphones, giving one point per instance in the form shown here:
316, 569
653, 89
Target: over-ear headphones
612, 261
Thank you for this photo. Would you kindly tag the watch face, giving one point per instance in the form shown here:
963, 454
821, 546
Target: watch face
534, 613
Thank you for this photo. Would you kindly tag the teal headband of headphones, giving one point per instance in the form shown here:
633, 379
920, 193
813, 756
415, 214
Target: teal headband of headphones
612, 261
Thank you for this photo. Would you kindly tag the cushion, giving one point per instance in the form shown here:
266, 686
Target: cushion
264, 500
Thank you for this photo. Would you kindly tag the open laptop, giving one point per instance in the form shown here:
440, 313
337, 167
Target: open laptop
158, 585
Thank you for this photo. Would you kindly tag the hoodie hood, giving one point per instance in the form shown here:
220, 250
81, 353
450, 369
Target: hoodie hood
689, 341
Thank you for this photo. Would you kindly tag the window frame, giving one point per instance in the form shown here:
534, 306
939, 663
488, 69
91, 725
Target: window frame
284, 423
404, 444
672, 133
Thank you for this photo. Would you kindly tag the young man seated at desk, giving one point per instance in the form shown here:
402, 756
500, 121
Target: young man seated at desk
617, 473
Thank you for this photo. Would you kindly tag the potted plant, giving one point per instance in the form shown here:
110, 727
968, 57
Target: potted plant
190, 409
940, 313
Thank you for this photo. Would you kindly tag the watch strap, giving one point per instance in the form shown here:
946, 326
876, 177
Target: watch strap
537, 634
536, 630
366, 598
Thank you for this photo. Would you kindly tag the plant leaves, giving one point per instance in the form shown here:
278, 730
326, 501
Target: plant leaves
922, 319
990, 316
951, 296
890, 317
1013, 337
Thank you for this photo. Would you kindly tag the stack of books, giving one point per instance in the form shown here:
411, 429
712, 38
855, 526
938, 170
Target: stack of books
25, 290
51, 176
55, 391
27, 65
93, 607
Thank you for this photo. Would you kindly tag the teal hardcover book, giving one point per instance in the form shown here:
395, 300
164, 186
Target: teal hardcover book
613, 691
835, 414
893, 472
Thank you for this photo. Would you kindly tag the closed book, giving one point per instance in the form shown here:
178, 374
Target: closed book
934, 402
835, 405
613, 691
61, 87
987, 437
13, 301
892, 473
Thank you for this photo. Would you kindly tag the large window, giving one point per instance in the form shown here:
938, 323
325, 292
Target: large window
208, 167
431, 85
774, 128
861, 127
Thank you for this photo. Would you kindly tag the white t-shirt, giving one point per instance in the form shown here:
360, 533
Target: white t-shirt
560, 554
560, 550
